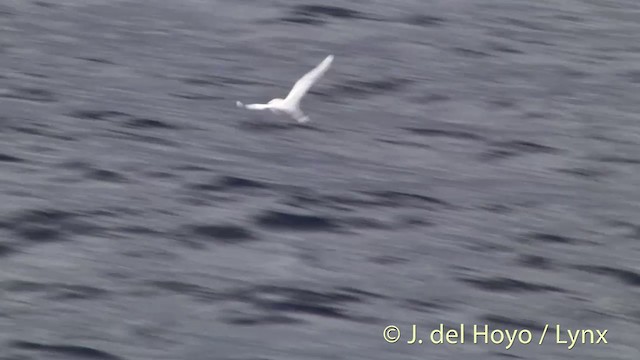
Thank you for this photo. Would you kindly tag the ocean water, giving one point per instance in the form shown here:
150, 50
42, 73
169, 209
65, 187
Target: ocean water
467, 162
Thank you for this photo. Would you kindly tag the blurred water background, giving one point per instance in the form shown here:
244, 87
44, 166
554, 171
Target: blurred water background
469, 162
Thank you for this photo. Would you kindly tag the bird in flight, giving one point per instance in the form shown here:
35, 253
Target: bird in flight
291, 104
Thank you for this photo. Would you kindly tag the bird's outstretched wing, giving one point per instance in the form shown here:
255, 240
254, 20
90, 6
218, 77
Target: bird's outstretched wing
302, 86
252, 106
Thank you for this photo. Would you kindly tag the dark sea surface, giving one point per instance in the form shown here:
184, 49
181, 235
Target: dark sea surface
467, 162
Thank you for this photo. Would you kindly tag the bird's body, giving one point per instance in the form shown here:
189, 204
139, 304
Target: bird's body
291, 104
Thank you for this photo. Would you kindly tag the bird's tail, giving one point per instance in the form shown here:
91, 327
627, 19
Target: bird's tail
239, 104
299, 116
303, 119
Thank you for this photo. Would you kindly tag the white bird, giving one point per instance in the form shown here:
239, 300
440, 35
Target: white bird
291, 104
